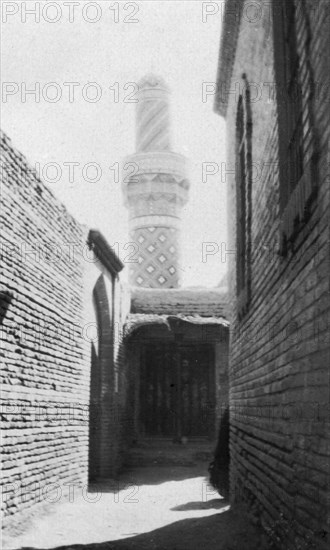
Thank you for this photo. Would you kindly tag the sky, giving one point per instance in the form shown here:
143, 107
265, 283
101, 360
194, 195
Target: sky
86, 58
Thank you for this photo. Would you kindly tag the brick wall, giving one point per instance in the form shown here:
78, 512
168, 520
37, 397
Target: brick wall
279, 351
47, 320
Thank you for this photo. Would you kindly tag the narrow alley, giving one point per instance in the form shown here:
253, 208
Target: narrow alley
161, 501
164, 263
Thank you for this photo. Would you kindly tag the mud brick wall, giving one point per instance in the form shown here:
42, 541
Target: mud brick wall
48, 273
279, 381
44, 372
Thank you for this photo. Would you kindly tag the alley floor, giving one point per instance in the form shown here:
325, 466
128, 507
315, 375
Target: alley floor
161, 501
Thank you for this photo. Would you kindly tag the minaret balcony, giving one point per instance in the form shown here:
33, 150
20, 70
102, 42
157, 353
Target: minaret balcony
155, 172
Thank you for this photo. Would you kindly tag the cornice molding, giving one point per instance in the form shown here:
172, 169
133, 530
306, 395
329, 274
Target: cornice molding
154, 162
104, 252
155, 220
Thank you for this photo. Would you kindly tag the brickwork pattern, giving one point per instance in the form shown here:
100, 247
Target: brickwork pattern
44, 374
45, 353
279, 351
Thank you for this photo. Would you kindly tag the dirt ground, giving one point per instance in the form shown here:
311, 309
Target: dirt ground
161, 503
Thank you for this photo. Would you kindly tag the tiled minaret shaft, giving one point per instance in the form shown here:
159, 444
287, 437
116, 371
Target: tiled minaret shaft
155, 188
153, 119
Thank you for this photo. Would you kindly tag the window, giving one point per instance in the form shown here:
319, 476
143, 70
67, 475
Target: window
243, 199
297, 142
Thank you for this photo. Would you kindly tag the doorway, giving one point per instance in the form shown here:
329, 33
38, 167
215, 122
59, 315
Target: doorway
101, 385
177, 391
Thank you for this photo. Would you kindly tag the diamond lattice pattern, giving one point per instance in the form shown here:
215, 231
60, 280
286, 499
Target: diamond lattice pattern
156, 264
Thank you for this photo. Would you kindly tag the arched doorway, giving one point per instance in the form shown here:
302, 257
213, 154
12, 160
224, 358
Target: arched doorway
101, 383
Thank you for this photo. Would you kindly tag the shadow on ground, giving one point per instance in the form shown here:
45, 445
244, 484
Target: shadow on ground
223, 531
176, 509
214, 504
152, 475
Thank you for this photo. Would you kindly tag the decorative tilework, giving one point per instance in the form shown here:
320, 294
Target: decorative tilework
157, 259
157, 193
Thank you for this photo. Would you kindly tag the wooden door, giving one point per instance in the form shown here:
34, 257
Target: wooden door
197, 390
158, 391
177, 390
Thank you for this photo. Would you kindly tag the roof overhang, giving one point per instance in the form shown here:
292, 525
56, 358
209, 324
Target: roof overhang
104, 252
135, 321
230, 29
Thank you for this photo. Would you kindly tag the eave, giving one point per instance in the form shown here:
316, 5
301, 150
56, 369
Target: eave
228, 43
136, 321
104, 252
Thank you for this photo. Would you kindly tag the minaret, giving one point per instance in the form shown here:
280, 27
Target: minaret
155, 188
